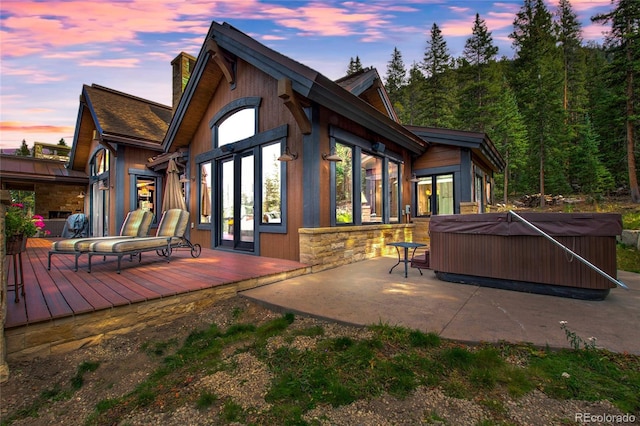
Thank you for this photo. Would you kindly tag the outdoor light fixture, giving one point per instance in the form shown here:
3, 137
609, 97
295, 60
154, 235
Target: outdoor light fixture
378, 147
332, 156
102, 186
183, 178
414, 178
287, 155
81, 195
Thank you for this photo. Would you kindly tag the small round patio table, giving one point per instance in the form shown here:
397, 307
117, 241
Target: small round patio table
406, 245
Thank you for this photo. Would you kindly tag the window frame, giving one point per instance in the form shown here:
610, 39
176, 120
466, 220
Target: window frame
360, 146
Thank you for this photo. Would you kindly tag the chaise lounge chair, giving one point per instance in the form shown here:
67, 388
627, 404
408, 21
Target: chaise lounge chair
136, 224
170, 234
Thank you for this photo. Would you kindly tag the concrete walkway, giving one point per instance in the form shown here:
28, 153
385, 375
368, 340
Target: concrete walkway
365, 293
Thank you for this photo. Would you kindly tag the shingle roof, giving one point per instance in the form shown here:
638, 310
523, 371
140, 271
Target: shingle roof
120, 114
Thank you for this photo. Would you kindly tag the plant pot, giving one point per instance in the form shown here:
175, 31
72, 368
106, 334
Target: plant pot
16, 244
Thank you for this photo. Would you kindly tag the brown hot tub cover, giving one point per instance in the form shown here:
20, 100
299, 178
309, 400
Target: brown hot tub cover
499, 250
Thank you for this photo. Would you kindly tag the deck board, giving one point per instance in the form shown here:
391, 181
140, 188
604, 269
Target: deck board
62, 292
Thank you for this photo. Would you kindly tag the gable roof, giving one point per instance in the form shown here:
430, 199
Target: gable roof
477, 142
227, 40
119, 118
127, 118
367, 85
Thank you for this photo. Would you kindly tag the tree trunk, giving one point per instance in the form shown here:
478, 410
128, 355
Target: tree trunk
542, 201
631, 159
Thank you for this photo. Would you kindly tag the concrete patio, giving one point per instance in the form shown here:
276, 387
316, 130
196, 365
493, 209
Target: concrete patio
365, 293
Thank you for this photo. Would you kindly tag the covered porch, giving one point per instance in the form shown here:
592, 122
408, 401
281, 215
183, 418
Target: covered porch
64, 310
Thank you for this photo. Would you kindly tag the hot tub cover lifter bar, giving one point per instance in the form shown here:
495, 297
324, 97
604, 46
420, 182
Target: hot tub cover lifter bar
577, 256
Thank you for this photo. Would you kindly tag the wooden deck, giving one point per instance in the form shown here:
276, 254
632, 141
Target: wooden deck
55, 295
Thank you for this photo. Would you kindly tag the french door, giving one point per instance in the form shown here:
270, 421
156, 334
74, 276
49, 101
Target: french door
236, 180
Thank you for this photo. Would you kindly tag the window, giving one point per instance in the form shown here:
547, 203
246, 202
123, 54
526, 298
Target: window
394, 192
100, 163
366, 184
371, 188
440, 201
146, 193
344, 184
205, 193
237, 126
271, 184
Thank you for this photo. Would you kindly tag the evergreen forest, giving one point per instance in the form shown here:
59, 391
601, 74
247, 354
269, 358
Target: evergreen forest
563, 113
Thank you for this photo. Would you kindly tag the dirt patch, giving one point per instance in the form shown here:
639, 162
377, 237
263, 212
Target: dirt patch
125, 362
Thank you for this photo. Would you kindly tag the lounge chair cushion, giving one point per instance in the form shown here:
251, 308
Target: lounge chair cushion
78, 244
173, 223
132, 244
137, 223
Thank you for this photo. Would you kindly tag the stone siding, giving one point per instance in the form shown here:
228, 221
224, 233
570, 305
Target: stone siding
51, 197
325, 248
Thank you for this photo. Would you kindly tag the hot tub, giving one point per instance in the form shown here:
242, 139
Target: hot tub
498, 250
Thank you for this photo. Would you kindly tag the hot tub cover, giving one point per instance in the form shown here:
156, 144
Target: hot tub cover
505, 224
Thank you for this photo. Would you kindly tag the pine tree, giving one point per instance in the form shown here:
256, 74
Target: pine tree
396, 76
539, 82
440, 94
475, 77
62, 142
24, 150
605, 111
591, 176
413, 98
569, 34
479, 48
510, 136
623, 41
354, 66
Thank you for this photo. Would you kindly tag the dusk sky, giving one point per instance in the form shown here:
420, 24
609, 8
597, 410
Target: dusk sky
49, 49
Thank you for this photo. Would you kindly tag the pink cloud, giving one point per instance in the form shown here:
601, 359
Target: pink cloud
34, 26
272, 37
26, 127
111, 63
33, 75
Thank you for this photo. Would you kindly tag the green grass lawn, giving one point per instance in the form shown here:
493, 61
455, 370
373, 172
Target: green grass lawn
340, 370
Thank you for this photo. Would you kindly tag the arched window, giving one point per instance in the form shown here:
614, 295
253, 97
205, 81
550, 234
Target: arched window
100, 162
239, 125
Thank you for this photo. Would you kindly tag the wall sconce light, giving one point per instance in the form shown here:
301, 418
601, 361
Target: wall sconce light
81, 195
102, 186
332, 156
414, 178
183, 178
378, 147
287, 155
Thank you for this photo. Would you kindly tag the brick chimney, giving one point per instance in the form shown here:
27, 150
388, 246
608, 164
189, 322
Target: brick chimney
182, 66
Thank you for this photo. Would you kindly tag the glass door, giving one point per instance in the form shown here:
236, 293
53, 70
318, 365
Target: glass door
236, 192
100, 209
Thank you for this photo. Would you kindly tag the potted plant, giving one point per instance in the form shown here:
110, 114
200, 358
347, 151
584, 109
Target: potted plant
18, 226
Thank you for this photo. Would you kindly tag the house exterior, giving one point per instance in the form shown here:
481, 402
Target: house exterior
115, 135
276, 159
245, 105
